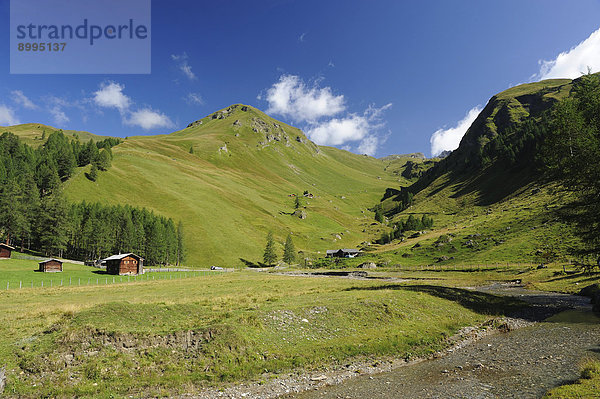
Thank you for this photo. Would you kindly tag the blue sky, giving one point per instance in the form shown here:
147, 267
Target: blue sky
379, 77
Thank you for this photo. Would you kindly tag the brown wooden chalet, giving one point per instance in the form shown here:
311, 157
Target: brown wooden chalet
51, 266
5, 251
125, 264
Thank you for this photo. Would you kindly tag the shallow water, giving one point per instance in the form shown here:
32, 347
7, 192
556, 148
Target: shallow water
524, 363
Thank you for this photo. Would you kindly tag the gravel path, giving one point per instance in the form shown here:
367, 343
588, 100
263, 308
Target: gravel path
524, 363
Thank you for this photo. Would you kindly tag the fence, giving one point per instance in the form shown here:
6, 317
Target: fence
106, 280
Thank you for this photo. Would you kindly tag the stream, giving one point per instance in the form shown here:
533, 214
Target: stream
524, 363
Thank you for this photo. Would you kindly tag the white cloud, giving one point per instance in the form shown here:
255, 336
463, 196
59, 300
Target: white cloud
194, 99
7, 116
368, 145
111, 95
352, 128
339, 131
56, 106
324, 114
59, 116
147, 119
449, 139
575, 62
184, 66
292, 98
22, 99
301, 37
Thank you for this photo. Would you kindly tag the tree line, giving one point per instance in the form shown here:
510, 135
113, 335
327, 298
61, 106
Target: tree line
94, 231
410, 224
571, 155
35, 215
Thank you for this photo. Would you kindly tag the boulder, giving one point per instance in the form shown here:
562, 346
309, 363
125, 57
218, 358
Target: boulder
368, 265
300, 213
592, 292
2, 379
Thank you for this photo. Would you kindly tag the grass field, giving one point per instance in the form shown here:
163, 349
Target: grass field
153, 338
22, 273
587, 387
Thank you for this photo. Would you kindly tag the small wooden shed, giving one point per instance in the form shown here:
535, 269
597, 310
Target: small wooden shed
51, 266
125, 264
5, 251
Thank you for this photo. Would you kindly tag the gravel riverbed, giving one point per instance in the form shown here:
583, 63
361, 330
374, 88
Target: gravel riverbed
523, 363
538, 353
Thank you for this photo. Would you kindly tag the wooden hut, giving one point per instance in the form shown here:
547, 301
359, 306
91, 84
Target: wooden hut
125, 264
51, 266
5, 251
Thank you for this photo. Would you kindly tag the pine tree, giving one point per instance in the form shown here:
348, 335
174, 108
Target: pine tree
269, 256
12, 210
297, 203
51, 224
93, 175
379, 215
102, 162
180, 244
289, 251
191, 149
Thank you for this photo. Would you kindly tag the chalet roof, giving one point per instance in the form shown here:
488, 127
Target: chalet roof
50, 260
345, 250
6, 246
121, 256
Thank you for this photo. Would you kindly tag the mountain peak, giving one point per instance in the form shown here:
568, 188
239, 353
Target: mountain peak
224, 113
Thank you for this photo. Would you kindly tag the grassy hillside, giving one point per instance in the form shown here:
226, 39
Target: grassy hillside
236, 186
408, 167
488, 208
31, 133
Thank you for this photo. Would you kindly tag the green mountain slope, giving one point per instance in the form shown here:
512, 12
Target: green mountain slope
31, 133
236, 182
489, 194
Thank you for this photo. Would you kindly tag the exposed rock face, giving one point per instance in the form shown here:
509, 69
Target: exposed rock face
227, 112
300, 213
237, 123
223, 114
195, 123
413, 170
224, 148
368, 265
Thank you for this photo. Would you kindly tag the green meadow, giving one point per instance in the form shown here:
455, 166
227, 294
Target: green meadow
161, 337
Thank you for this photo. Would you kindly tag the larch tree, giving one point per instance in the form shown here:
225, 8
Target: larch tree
270, 256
